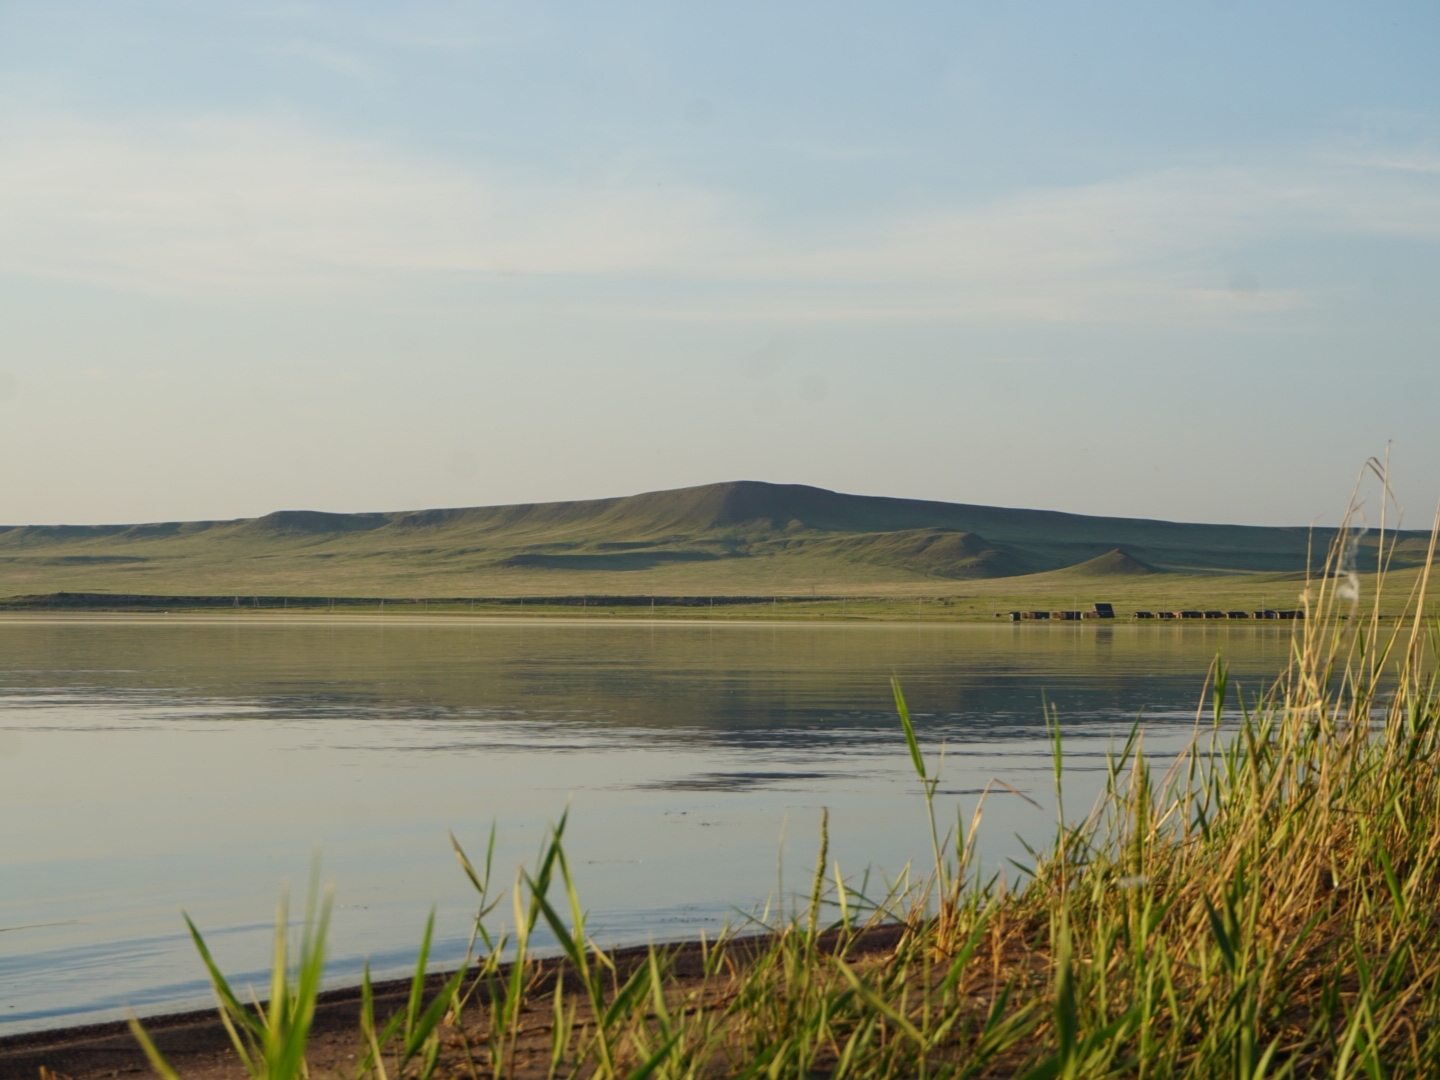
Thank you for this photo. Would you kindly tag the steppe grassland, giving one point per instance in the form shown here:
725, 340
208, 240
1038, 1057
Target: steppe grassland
925, 599
727, 539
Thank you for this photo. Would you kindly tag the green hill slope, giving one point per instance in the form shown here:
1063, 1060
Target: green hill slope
740, 538
1113, 564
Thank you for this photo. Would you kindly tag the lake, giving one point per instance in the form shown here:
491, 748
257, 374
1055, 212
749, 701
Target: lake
151, 764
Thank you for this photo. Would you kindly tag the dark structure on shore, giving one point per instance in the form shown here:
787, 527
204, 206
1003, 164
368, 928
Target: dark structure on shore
1097, 611
1268, 613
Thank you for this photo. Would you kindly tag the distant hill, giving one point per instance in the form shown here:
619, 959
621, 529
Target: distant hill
733, 537
1115, 563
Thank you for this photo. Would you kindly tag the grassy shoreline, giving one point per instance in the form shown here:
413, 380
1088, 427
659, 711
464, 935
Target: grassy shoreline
976, 602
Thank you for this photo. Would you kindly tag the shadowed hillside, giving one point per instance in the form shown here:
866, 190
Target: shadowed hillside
740, 538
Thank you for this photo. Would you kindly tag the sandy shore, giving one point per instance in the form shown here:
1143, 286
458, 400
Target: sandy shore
197, 1045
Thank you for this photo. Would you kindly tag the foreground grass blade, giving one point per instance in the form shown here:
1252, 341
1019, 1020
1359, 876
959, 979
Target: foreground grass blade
270, 1042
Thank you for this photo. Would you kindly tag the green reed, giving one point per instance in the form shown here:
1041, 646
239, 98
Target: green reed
269, 1040
1265, 906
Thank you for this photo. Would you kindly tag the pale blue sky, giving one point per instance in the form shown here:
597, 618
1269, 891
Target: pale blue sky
1146, 259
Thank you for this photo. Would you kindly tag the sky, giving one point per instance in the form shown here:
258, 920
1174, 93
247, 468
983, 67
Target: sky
1175, 260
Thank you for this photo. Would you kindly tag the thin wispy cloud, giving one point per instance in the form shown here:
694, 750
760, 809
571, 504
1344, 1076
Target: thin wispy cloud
328, 57
244, 205
252, 206
1157, 245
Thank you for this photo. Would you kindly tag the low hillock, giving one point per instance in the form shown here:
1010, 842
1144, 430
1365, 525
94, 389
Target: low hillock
1114, 563
740, 538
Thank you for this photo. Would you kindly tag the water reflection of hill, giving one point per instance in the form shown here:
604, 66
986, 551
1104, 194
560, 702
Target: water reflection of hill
746, 683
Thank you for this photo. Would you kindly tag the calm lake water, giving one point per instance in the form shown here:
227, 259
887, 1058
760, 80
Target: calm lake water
154, 764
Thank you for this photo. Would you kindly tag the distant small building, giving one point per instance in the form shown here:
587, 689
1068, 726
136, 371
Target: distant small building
1035, 615
1143, 615
1068, 616
1165, 614
1237, 614
1290, 614
1103, 611
1267, 614
1190, 614
1214, 615
1015, 616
